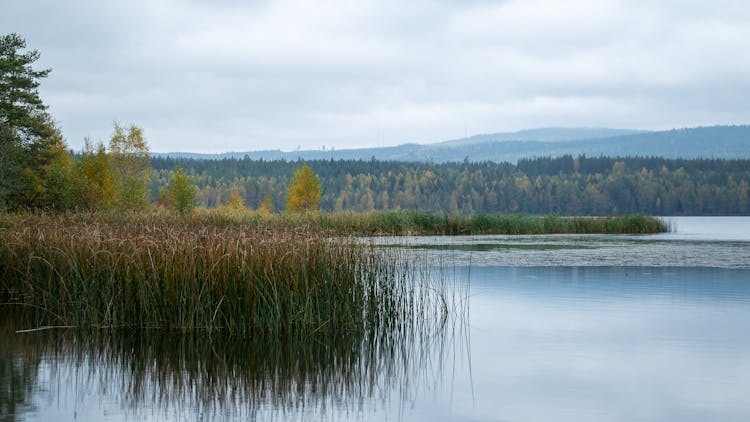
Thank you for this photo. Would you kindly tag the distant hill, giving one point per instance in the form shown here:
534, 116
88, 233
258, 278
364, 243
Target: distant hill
701, 142
547, 134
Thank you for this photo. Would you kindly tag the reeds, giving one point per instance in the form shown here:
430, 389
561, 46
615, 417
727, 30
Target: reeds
209, 272
424, 223
238, 271
414, 222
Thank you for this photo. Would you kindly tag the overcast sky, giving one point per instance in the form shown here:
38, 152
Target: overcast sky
230, 75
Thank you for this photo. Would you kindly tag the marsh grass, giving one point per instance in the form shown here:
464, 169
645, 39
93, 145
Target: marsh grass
414, 222
237, 271
209, 272
425, 223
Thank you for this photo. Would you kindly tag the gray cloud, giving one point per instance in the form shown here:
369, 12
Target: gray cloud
232, 75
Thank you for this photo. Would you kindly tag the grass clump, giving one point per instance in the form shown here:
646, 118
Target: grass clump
215, 272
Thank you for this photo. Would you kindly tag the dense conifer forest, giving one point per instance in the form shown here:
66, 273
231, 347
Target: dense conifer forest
566, 185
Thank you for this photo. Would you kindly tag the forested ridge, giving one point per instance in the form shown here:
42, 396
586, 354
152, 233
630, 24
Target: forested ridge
566, 185
727, 142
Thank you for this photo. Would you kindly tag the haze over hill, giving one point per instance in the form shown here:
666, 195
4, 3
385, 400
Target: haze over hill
547, 134
701, 142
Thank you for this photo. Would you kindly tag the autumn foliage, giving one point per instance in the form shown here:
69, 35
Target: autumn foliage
304, 191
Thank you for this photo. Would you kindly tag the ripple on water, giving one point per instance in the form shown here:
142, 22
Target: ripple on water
574, 251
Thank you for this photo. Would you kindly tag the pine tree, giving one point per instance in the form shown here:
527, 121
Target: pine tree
29, 141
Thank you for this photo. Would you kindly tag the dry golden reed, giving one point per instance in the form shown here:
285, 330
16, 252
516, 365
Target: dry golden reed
207, 272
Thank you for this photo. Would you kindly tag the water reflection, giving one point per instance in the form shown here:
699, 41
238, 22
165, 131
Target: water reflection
82, 374
561, 328
609, 343
706, 242
17, 378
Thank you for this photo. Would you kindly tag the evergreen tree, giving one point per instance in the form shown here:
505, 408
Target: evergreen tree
304, 191
29, 141
565, 185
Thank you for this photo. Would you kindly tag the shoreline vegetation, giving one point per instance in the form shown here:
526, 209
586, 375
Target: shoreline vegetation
205, 272
161, 271
425, 223
418, 223
373, 223
240, 272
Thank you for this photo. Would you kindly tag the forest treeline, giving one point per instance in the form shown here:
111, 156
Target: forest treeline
566, 185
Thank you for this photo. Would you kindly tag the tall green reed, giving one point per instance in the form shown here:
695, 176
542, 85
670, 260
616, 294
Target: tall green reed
411, 222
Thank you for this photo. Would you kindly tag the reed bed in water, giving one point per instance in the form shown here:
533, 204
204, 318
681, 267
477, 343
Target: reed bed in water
413, 222
425, 223
210, 272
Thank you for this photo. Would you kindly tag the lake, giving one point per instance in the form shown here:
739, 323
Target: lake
558, 327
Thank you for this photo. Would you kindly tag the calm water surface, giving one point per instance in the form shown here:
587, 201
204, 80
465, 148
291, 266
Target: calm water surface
556, 328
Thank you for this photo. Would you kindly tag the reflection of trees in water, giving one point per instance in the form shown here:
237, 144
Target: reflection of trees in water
207, 375
17, 376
